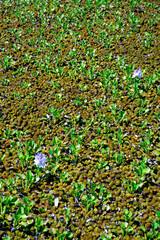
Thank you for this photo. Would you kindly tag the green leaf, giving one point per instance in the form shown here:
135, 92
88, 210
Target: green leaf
25, 199
139, 185
158, 214
51, 109
155, 225
19, 216
14, 200
70, 235
146, 170
4, 182
29, 175
130, 229
124, 224
21, 155
109, 195
36, 178
23, 224
51, 151
156, 152
20, 176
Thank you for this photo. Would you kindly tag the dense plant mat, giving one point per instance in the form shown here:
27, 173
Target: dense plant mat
79, 119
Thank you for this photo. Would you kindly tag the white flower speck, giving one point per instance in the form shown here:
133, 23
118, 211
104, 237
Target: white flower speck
56, 202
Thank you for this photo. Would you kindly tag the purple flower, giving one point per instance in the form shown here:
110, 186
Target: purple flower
40, 160
137, 73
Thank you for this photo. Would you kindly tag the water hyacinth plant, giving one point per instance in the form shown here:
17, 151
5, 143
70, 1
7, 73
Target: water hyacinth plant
79, 121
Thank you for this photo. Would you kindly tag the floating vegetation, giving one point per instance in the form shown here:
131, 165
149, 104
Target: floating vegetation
79, 119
